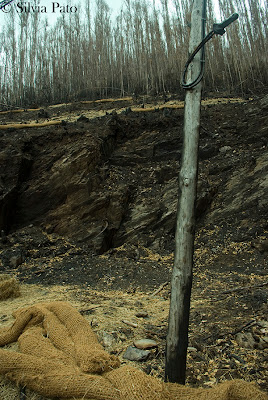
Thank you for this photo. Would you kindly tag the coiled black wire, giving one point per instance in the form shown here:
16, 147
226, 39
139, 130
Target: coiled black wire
199, 47
5, 3
217, 29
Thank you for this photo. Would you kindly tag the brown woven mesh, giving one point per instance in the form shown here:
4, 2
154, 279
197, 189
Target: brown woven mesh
61, 357
9, 287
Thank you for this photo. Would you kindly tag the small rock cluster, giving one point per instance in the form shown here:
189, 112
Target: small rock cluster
140, 351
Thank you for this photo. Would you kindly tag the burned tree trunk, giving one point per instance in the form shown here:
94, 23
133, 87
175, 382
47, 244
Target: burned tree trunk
181, 282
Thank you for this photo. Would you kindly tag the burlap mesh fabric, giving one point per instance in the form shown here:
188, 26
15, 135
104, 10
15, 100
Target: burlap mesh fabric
60, 357
9, 287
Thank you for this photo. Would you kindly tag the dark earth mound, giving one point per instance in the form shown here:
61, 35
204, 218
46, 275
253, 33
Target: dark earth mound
112, 181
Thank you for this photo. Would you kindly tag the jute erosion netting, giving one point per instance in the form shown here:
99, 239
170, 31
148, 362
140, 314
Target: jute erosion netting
9, 287
61, 357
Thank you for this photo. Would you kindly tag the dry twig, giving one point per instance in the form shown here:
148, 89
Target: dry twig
159, 289
238, 289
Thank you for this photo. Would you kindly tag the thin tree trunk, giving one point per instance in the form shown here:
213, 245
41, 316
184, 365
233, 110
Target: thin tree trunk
181, 282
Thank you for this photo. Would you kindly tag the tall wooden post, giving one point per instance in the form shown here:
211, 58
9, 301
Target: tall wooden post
181, 282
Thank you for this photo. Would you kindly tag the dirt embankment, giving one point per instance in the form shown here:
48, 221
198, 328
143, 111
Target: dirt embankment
107, 179
91, 202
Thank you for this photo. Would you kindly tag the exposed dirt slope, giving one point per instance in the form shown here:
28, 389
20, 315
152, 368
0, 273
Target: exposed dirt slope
113, 180
92, 203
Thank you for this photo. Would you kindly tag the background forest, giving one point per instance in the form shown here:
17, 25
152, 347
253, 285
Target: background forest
91, 54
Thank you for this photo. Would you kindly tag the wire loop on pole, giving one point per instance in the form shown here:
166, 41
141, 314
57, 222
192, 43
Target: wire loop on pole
218, 29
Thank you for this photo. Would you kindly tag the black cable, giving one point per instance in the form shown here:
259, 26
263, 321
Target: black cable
4, 3
199, 47
217, 29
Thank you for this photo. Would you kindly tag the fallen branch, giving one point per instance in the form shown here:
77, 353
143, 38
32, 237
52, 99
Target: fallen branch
159, 289
238, 289
132, 324
231, 355
247, 325
88, 310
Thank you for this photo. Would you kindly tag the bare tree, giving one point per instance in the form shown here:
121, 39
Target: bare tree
143, 50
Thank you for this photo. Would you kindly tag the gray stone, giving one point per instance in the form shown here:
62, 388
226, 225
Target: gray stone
141, 314
193, 349
134, 354
225, 149
145, 343
108, 340
245, 340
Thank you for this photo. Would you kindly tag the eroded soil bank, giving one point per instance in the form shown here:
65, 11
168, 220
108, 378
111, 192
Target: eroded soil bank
90, 204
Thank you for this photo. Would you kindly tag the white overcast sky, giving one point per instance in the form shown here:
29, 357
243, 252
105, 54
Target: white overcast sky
115, 5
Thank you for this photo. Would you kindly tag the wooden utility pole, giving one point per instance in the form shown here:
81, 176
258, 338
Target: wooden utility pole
181, 282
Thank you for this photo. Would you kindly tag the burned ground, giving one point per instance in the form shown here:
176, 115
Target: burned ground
90, 204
